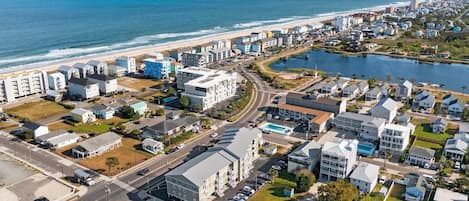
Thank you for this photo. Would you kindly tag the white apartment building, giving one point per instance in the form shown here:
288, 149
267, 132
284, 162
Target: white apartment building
394, 138
208, 175
84, 69
107, 84
17, 85
83, 88
206, 87
342, 23
367, 127
69, 72
338, 159
56, 81
128, 63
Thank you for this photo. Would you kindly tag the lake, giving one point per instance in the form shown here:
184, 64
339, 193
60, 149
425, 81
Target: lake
453, 76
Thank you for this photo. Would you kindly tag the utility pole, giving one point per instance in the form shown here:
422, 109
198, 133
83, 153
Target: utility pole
107, 190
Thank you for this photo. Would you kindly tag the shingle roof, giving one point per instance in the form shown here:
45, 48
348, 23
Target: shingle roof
99, 141
31, 125
319, 116
456, 144
168, 125
238, 140
151, 142
387, 104
309, 149
406, 84
81, 81
440, 121
52, 135
421, 151
99, 107
80, 111
63, 138
365, 172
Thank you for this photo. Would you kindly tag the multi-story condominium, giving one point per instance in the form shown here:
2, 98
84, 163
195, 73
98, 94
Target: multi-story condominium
117, 71
220, 54
107, 84
394, 138
69, 72
84, 69
420, 156
367, 127
207, 89
306, 156
318, 120
216, 170
404, 90
128, 63
455, 149
315, 101
338, 159
99, 67
56, 81
385, 109
342, 23
187, 74
157, 69
17, 85
365, 177
83, 88
201, 59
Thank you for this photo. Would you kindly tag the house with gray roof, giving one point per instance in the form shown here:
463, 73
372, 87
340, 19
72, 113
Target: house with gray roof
363, 87
416, 187
317, 102
442, 194
424, 100
404, 90
371, 130
216, 170
172, 127
439, 125
152, 146
338, 159
365, 177
36, 129
455, 149
351, 91
306, 156
463, 128
97, 145
329, 88
99, 67
377, 93
386, 109
103, 111
420, 156
84, 69
456, 107
82, 88
58, 139
367, 127
107, 84
69, 72
448, 100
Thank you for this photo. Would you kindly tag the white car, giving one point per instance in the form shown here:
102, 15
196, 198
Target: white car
180, 146
214, 135
276, 167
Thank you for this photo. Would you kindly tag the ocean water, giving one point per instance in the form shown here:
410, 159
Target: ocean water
42, 30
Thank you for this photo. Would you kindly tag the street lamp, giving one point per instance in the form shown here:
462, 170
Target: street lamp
107, 190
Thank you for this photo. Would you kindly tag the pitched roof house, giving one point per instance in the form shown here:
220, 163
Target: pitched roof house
97, 145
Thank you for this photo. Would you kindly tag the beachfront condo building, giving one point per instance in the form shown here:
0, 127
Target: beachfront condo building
82, 88
69, 72
99, 67
342, 23
197, 59
14, 86
221, 167
394, 138
106, 84
84, 69
206, 87
338, 159
127, 62
56, 81
157, 69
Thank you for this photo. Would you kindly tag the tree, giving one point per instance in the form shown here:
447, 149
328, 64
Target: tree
170, 91
111, 162
160, 112
372, 82
197, 107
185, 101
127, 112
400, 45
273, 173
340, 190
307, 173
302, 184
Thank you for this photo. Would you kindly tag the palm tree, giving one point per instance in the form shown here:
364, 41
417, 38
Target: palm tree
463, 88
389, 77
111, 162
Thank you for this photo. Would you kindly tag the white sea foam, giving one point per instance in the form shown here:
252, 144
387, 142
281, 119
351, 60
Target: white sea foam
61, 54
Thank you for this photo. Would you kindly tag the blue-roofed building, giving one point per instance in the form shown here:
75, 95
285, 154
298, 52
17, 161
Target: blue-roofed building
158, 69
139, 107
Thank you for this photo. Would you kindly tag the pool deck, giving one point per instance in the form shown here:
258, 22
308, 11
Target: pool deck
264, 125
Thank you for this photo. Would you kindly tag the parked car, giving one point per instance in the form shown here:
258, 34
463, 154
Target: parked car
143, 172
172, 150
213, 135
181, 146
41, 199
276, 167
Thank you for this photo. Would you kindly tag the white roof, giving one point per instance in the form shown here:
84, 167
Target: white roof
208, 80
365, 172
340, 147
397, 127
442, 194
388, 104
80, 111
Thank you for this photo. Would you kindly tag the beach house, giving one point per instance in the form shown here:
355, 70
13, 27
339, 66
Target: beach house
82, 88
83, 115
394, 138
58, 139
106, 84
365, 177
36, 129
99, 67
305, 156
172, 127
404, 90
56, 81
152, 146
103, 111
455, 149
439, 125
385, 109
84, 69
420, 156
128, 63
338, 159
157, 69
97, 145
69, 72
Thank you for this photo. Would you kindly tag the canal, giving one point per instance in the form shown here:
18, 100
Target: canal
453, 76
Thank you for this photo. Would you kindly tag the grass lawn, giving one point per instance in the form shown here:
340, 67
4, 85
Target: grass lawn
98, 127
59, 125
429, 145
396, 193
424, 130
129, 154
136, 83
37, 110
274, 192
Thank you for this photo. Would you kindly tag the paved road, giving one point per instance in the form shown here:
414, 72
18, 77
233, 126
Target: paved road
398, 167
129, 186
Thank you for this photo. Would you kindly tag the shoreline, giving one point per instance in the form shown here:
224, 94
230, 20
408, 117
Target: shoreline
50, 66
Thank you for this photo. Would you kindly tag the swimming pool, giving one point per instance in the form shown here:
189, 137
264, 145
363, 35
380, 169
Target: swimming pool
271, 127
365, 149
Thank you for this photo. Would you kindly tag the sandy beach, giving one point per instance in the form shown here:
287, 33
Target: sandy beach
138, 51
